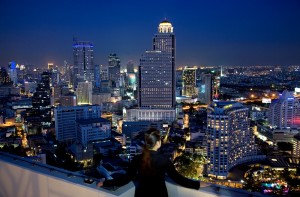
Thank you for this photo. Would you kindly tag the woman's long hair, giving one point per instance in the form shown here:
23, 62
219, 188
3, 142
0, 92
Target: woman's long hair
151, 137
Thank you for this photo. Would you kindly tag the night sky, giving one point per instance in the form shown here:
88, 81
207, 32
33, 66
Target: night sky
208, 32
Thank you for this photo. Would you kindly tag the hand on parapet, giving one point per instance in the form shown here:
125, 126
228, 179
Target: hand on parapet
100, 183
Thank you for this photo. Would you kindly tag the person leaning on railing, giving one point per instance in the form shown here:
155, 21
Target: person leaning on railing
148, 170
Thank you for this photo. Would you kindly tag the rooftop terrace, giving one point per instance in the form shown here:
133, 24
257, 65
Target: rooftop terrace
25, 178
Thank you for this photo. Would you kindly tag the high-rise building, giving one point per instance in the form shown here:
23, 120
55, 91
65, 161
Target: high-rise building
66, 120
157, 71
155, 80
40, 115
41, 98
55, 95
103, 72
165, 41
114, 69
130, 67
285, 111
84, 93
189, 81
97, 76
229, 138
205, 89
13, 73
83, 69
4, 77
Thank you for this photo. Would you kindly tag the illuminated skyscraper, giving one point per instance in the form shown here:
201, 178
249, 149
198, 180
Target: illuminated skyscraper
189, 81
229, 138
114, 69
83, 69
97, 76
41, 98
4, 77
285, 111
157, 71
84, 93
13, 72
205, 89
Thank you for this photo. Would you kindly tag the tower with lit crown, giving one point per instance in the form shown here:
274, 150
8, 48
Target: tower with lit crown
157, 71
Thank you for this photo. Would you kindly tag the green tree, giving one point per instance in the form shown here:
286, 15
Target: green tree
188, 164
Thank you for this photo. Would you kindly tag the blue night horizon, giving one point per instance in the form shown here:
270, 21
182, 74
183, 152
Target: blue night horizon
257, 32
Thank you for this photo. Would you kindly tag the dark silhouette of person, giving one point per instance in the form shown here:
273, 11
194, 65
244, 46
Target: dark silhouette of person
148, 170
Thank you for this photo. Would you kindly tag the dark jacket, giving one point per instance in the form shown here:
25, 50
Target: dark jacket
152, 181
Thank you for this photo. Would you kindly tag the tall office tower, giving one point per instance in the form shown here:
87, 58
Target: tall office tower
285, 111
84, 93
130, 67
155, 80
41, 98
64, 68
21, 72
114, 69
104, 72
229, 138
66, 120
164, 41
40, 114
83, 61
189, 81
55, 95
157, 71
13, 73
205, 89
55, 77
97, 76
4, 77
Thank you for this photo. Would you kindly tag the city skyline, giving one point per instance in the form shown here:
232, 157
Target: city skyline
208, 33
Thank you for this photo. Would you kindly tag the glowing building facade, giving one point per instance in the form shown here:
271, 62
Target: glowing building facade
205, 89
114, 69
285, 112
189, 81
84, 93
229, 138
157, 71
83, 69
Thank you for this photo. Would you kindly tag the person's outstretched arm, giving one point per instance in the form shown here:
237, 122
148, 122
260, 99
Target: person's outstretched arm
181, 180
123, 179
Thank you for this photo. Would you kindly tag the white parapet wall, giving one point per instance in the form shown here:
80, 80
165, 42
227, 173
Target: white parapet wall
24, 178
